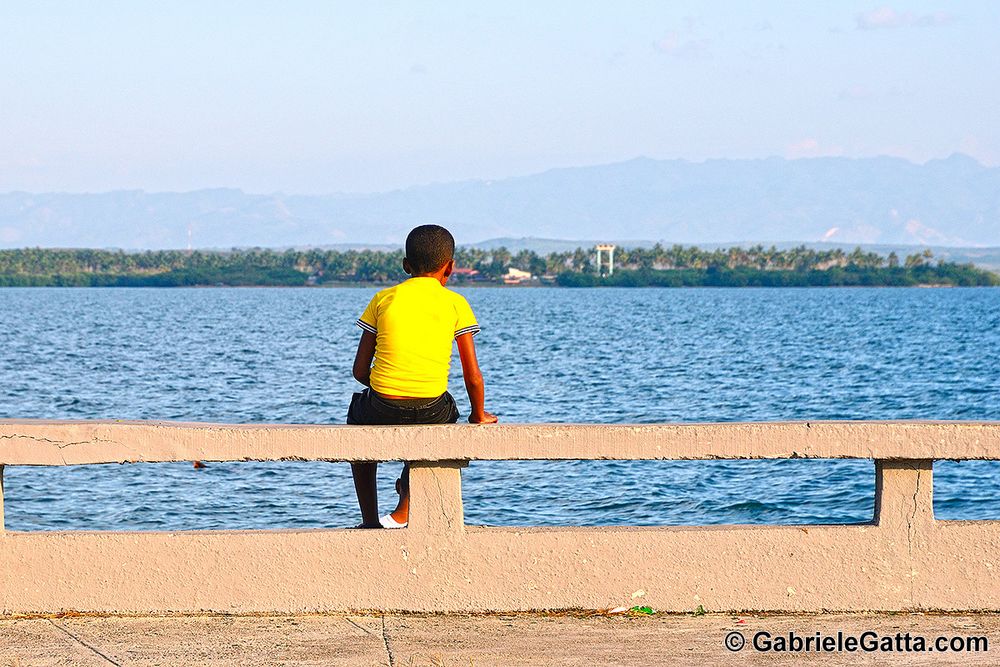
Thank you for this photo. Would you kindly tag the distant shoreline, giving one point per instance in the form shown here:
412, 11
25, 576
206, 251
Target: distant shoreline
478, 286
129, 282
677, 266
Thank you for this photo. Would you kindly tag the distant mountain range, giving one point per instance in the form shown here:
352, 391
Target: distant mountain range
949, 202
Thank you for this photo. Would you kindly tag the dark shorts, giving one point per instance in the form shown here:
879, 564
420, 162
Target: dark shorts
370, 409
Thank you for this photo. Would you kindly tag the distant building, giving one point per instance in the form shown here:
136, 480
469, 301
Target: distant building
465, 273
516, 276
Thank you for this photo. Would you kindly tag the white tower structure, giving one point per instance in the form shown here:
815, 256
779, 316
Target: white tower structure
610, 248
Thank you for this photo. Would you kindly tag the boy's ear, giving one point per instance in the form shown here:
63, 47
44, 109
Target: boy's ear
406, 267
449, 267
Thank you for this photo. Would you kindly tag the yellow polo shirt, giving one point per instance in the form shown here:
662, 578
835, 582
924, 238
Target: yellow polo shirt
414, 324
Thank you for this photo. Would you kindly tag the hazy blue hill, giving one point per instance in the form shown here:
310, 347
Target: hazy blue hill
949, 202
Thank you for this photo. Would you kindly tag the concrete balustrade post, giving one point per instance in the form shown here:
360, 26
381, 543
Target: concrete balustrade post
2, 522
436, 497
904, 494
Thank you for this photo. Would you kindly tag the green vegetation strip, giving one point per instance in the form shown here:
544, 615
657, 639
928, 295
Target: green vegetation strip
676, 266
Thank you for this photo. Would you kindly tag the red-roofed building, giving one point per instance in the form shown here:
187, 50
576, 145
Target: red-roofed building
464, 273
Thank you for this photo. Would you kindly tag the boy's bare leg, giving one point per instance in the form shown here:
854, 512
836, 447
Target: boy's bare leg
402, 512
367, 489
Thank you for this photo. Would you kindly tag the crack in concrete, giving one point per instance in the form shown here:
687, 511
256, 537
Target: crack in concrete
910, 534
441, 501
360, 627
61, 445
913, 516
385, 643
29, 437
58, 443
83, 643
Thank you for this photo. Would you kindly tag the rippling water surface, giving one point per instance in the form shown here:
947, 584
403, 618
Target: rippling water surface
548, 355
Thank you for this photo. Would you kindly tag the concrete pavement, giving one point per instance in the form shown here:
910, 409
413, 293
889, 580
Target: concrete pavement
454, 640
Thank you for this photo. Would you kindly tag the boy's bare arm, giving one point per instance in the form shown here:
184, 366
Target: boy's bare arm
473, 380
363, 358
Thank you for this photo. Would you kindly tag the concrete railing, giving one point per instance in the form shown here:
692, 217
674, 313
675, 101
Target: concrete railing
903, 559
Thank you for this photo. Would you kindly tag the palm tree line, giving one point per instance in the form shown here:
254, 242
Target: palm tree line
270, 266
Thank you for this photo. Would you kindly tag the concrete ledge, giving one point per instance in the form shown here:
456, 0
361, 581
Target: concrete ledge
29, 442
903, 560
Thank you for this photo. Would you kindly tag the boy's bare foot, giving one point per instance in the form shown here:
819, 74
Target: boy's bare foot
484, 418
364, 526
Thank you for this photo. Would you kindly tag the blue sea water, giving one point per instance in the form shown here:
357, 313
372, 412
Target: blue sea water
548, 355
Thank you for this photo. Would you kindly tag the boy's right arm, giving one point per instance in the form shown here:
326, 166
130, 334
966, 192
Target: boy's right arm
473, 380
363, 358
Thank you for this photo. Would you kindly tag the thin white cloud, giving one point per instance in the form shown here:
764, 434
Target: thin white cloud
935, 19
984, 152
803, 147
855, 93
673, 44
811, 147
924, 234
9, 235
887, 17
684, 42
863, 93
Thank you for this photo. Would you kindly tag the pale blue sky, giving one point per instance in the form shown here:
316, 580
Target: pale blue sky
322, 97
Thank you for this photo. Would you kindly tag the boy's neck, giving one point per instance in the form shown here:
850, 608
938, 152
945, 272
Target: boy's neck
437, 275
441, 274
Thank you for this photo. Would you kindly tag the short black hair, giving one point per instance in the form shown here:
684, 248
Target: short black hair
428, 248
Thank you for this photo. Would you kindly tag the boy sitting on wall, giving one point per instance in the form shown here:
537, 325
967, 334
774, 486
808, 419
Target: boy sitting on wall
407, 329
